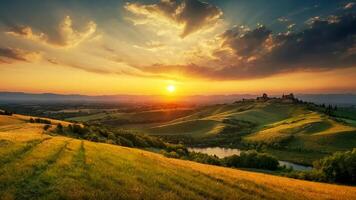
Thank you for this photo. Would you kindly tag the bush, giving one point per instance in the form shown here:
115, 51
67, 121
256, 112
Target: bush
92, 137
171, 154
41, 121
46, 127
5, 112
124, 142
252, 159
339, 167
204, 158
78, 129
59, 128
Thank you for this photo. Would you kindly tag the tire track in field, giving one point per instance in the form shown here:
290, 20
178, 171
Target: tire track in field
80, 158
80, 166
29, 186
21, 152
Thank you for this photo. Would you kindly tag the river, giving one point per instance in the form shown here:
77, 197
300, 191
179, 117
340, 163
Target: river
224, 152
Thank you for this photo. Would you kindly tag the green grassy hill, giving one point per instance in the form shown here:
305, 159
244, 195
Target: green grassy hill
295, 132
150, 116
258, 113
34, 165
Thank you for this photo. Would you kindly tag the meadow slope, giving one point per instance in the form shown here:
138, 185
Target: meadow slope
295, 132
34, 165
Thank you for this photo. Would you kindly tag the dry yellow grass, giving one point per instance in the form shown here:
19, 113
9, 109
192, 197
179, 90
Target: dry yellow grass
38, 166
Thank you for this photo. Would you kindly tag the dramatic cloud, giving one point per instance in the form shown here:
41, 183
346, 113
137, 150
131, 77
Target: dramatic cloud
325, 44
65, 35
246, 43
10, 55
192, 15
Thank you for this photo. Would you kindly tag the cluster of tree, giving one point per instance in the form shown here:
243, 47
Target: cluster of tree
252, 159
280, 143
5, 112
322, 108
175, 151
205, 158
111, 136
247, 159
337, 168
46, 127
40, 120
329, 110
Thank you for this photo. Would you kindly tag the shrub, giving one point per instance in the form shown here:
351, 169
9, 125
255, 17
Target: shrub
204, 158
59, 128
112, 137
171, 154
42, 121
76, 128
92, 137
46, 127
123, 141
339, 167
252, 159
5, 112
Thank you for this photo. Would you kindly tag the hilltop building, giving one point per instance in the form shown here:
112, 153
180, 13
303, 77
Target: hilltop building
263, 98
289, 98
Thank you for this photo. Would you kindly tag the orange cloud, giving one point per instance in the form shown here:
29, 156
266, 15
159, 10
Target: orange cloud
65, 36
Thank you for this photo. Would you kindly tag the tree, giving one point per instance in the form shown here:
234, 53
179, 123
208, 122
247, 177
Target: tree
5, 112
59, 128
46, 127
252, 159
339, 167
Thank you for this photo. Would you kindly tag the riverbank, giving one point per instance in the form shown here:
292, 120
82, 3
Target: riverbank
225, 152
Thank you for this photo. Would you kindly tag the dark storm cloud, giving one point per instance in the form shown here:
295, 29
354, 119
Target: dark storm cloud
193, 14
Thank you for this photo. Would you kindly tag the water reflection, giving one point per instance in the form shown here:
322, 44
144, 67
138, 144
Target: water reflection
225, 152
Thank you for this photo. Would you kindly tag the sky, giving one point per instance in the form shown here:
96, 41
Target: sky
196, 47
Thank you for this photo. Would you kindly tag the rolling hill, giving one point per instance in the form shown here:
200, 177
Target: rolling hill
297, 132
34, 165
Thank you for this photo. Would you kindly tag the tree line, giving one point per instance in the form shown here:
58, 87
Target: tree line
246, 159
337, 168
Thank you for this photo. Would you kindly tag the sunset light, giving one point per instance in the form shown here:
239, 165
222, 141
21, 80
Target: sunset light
171, 88
207, 44
178, 99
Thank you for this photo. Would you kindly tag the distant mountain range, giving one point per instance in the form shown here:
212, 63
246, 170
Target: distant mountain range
21, 97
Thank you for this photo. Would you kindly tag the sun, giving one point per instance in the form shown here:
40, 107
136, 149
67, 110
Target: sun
171, 88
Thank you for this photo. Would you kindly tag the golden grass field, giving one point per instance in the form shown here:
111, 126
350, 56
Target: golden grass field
34, 165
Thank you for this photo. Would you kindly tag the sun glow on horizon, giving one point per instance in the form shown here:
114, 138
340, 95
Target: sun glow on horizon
171, 88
